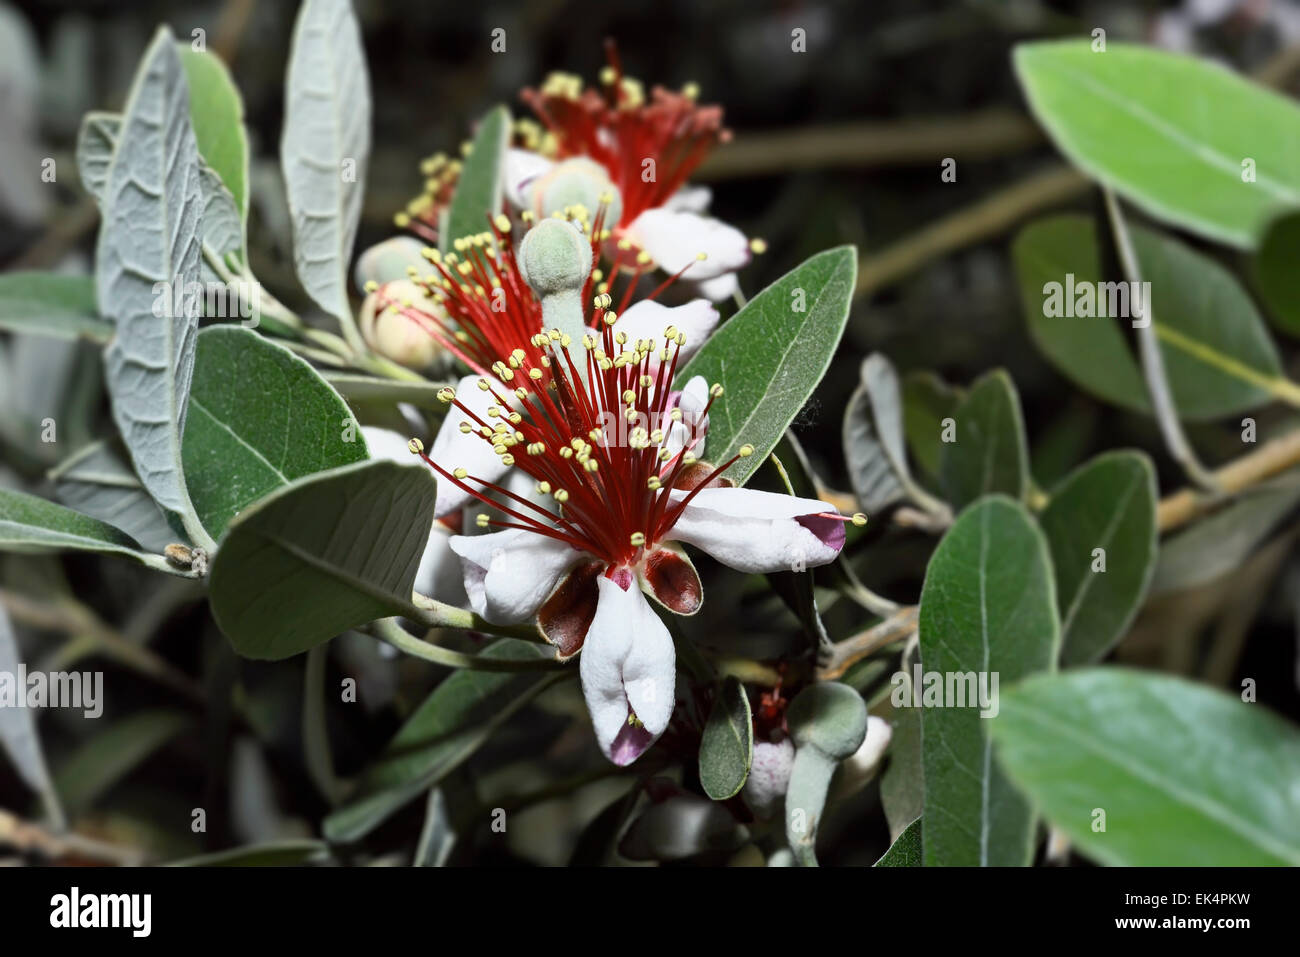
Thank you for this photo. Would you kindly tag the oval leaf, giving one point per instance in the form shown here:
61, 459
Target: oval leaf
259, 418
51, 304
1112, 112
322, 555
990, 454
727, 747
96, 481
217, 113
326, 146
480, 186
1187, 776
770, 356
1274, 268
32, 525
988, 608
873, 436
906, 849
1107, 504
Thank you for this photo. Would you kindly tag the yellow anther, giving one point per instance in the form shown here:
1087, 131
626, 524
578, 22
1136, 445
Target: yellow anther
758, 246
629, 396
371, 285
483, 385
691, 90
481, 520
653, 483
561, 495
716, 390
502, 222
446, 394
859, 519
461, 473
416, 446
507, 459
544, 488
638, 539
746, 451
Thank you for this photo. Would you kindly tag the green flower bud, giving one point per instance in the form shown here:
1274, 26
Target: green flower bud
396, 335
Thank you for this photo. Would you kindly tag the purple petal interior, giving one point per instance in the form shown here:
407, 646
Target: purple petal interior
630, 744
829, 531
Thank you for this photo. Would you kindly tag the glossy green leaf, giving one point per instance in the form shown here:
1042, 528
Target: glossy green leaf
990, 453
1170, 132
451, 724
771, 355
480, 187
151, 233
217, 114
259, 418
1109, 504
1186, 776
727, 747
51, 304
988, 607
319, 556
906, 849
1276, 269
326, 146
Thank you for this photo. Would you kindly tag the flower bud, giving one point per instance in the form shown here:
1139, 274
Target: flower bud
389, 260
397, 335
576, 182
554, 257
769, 776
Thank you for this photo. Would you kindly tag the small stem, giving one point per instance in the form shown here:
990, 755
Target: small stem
1268, 460
862, 595
849, 652
436, 614
390, 631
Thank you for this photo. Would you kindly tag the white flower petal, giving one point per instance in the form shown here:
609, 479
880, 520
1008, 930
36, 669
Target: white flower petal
753, 531
522, 167
690, 199
508, 575
648, 319
453, 449
628, 666
673, 239
719, 287
694, 397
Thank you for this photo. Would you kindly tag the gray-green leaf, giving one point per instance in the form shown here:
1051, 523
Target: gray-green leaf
96, 140
326, 146
97, 482
32, 525
988, 608
874, 448
771, 355
18, 734
1109, 504
480, 186
727, 747
990, 453
1185, 776
52, 304
319, 556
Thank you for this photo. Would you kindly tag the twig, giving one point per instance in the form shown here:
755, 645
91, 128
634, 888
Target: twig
29, 838
845, 654
1274, 456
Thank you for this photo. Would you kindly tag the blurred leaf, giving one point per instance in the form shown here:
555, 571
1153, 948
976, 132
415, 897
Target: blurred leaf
285, 580
32, 525
902, 787
217, 114
989, 454
294, 853
1216, 545
326, 146
906, 849
109, 755
1112, 112
97, 482
151, 234
51, 304
988, 607
1109, 503
223, 235
18, 733
1275, 270
927, 401
770, 356
727, 747
96, 141
1186, 776
681, 826
479, 188
259, 418
874, 449
436, 837
360, 388
1090, 352
449, 726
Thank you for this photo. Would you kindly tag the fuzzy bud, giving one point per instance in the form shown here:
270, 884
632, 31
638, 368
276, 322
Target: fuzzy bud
400, 336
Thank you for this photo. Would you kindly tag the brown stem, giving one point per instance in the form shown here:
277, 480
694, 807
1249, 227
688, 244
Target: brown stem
29, 838
849, 652
1268, 460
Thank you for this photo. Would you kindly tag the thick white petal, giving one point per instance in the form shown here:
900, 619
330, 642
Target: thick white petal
719, 287
694, 397
508, 575
754, 531
522, 167
627, 666
648, 319
674, 239
690, 199
453, 449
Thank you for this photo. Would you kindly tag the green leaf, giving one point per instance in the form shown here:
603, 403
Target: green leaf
1187, 776
770, 356
96, 141
31, 525
437, 836
828, 723
151, 233
480, 187
51, 304
96, 481
906, 849
902, 788
1114, 113
111, 754
727, 747
1216, 545
1108, 503
451, 724
874, 448
1274, 269
290, 853
1091, 353
326, 126
217, 113
927, 401
319, 556
19, 738
989, 454
259, 418
988, 607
